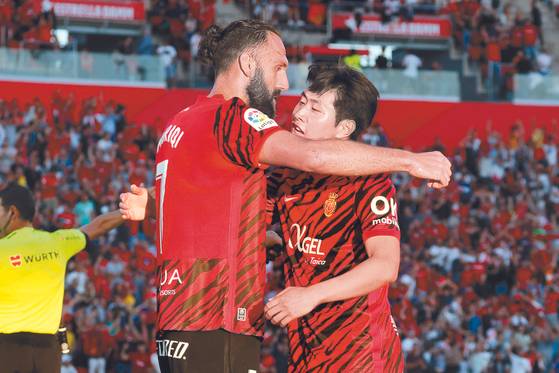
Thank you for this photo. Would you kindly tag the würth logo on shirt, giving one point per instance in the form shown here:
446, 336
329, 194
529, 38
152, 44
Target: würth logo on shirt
15, 260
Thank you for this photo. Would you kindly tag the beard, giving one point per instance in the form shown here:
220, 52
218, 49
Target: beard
259, 97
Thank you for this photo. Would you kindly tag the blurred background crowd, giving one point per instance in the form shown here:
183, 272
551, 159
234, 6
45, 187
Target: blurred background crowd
485, 42
477, 290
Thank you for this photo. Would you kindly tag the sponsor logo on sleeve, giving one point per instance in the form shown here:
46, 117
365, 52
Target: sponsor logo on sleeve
258, 120
382, 206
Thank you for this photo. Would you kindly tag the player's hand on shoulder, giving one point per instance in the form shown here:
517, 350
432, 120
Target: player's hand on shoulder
290, 304
432, 166
133, 204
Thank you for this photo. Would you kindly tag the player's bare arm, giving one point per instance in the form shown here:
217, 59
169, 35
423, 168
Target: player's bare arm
134, 205
102, 224
379, 269
350, 158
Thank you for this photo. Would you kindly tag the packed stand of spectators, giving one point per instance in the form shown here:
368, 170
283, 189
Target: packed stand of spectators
77, 157
312, 15
180, 24
502, 40
297, 14
477, 290
26, 24
403, 10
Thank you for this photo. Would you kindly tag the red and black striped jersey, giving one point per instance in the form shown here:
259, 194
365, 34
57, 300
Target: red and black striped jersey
325, 221
211, 196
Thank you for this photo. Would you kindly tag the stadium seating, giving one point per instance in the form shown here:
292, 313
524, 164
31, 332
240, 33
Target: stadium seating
477, 284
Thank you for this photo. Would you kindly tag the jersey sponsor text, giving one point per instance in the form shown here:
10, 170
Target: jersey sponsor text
171, 348
307, 245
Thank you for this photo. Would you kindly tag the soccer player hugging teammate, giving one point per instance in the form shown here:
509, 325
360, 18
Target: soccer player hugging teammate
341, 238
210, 199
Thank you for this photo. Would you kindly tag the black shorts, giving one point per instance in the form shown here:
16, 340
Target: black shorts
215, 351
30, 352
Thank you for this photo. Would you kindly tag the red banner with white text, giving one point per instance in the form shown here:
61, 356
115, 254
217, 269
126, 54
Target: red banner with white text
371, 24
124, 11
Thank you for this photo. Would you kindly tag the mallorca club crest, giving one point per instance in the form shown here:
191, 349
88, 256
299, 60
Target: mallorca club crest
330, 205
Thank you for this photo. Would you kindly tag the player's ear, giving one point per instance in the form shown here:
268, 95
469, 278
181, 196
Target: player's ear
247, 63
345, 128
13, 213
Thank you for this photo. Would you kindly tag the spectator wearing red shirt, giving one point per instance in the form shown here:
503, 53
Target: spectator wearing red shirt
494, 67
530, 37
97, 345
65, 218
551, 305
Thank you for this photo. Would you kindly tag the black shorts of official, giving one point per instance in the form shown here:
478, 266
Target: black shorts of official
30, 353
215, 351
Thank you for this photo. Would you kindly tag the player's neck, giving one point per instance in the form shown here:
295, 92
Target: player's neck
229, 85
18, 224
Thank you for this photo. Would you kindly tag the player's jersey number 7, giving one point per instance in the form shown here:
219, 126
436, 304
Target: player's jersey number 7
161, 175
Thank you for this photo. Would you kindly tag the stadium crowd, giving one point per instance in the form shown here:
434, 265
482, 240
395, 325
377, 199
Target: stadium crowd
26, 24
77, 157
477, 289
502, 40
498, 38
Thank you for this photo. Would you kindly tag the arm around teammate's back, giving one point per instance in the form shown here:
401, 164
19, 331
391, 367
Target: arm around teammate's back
350, 158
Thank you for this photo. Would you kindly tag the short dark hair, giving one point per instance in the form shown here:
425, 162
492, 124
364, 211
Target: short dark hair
220, 47
356, 97
21, 198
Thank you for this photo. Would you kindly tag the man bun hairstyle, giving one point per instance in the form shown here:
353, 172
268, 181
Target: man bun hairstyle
220, 47
208, 44
356, 97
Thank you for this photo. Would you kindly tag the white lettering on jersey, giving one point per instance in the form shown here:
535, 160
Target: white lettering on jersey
166, 280
172, 349
381, 206
258, 120
384, 207
307, 245
317, 262
173, 135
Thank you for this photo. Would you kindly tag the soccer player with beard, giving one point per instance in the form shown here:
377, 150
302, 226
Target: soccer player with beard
211, 197
342, 241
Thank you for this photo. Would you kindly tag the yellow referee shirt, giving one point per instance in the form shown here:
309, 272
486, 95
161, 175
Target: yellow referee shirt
32, 268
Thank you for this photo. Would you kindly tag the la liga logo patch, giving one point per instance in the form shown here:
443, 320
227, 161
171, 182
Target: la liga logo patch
258, 120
